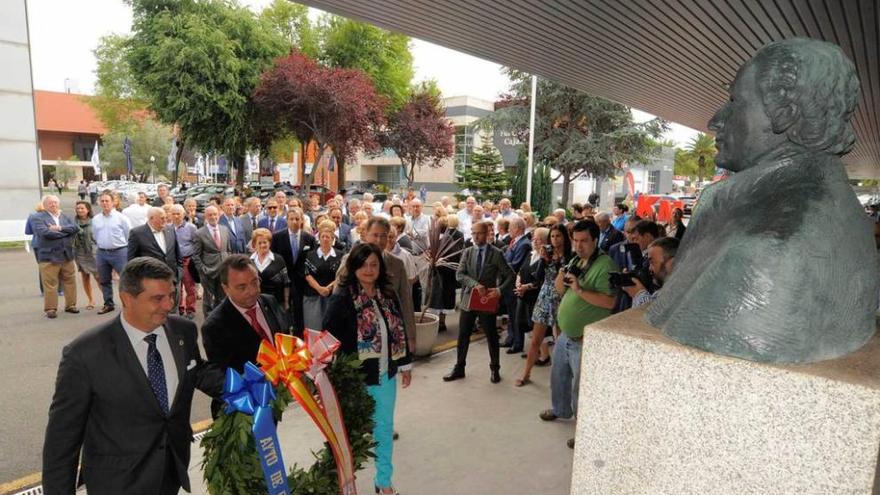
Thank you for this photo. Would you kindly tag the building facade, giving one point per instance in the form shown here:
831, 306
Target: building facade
67, 130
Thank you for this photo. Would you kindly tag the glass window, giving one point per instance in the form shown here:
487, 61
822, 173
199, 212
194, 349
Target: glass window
390, 176
464, 146
654, 182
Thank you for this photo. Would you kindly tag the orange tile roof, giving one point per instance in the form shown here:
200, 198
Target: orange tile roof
66, 112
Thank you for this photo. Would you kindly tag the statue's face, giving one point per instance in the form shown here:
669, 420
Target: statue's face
743, 130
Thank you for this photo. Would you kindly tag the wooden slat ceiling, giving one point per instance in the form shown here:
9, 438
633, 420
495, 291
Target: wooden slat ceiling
671, 58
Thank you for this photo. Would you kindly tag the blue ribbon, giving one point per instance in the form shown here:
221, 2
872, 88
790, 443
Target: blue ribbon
252, 394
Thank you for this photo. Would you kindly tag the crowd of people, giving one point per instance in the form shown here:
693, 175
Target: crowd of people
356, 268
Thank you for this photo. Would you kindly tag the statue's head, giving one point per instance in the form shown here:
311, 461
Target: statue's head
795, 95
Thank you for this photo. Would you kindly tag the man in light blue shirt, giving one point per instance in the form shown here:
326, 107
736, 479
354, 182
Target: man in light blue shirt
110, 229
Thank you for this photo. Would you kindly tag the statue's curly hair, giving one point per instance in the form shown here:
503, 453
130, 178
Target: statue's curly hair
809, 89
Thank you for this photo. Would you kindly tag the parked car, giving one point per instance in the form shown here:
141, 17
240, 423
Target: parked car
323, 193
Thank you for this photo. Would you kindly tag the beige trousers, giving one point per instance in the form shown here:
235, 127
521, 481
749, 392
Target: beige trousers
52, 274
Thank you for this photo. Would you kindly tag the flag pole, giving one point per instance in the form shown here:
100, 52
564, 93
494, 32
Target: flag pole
531, 141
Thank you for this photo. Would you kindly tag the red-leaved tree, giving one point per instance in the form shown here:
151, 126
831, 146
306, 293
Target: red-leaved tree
420, 133
337, 108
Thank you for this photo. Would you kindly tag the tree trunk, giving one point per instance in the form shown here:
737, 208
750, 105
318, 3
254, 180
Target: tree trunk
239, 171
177, 156
566, 183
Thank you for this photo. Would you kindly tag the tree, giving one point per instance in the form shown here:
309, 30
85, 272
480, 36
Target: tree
338, 109
576, 133
118, 101
150, 138
484, 178
685, 164
419, 132
290, 21
542, 185
198, 63
701, 149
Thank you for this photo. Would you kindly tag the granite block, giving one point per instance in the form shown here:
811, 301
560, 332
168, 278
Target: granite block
658, 417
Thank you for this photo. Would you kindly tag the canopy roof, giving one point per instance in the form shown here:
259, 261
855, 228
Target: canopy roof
672, 58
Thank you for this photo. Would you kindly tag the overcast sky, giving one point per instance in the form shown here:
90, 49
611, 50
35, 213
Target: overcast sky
63, 34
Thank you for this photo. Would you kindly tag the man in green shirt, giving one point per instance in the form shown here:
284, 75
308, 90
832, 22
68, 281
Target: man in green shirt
587, 297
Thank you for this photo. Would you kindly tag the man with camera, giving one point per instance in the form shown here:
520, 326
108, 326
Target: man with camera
643, 234
587, 297
661, 258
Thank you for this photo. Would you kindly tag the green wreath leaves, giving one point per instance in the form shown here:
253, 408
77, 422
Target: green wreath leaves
230, 463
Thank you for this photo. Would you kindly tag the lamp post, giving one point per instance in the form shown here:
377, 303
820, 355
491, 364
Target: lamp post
152, 168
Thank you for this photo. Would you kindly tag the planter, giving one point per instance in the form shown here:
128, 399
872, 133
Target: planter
426, 333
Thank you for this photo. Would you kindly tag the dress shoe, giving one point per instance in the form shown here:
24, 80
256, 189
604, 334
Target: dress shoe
51, 314
384, 490
548, 415
570, 443
106, 309
542, 362
495, 376
72, 310
513, 350
506, 344
456, 374
395, 436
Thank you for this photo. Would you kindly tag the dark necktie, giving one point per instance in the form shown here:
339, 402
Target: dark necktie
156, 372
479, 260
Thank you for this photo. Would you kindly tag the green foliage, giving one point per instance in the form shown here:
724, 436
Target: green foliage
118, 101
290, 21
484, 178
685, 164
281, 150
702, 149
231, 465
149, 138
542, 185
65, 173
198, 64
383, 55
576, 133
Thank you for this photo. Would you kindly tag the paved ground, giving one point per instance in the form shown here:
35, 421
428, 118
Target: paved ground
30, 348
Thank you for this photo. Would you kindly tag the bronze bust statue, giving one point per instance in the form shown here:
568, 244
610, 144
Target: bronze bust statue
778, 263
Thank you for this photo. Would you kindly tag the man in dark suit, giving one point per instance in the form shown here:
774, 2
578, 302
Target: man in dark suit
54, 233
157, 240
519, 250
482, 269
272, 220
293, 244
608, 235
124, 393
233, 223
210, 246
644, 233
343, 230
232, 333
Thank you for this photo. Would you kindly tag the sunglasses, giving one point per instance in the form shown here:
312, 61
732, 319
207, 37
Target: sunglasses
271, 207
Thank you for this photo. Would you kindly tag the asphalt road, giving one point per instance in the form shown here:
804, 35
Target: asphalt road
30, 348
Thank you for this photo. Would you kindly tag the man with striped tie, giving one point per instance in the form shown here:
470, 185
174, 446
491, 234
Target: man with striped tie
124, 393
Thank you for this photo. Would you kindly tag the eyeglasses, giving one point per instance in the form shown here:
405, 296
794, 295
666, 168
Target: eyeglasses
271, 207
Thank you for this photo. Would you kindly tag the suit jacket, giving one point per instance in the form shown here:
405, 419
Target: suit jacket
229, 339
275, 225
345, 236
611, 238
104, 407
198, 221
54, 246
248, 227
517, 254
236, 233
206, 255
495, 273
295, 267
142, 242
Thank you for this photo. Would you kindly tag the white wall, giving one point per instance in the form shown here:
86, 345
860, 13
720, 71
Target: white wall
19, 162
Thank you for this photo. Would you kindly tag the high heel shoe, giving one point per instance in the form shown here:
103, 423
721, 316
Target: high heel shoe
394, 492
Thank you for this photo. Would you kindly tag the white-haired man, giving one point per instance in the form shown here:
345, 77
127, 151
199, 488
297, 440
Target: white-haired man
55, 232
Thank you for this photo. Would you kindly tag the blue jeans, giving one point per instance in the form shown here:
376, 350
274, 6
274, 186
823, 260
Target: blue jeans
385, 395
565, 376
109, 260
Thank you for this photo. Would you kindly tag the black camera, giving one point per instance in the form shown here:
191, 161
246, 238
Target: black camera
575, 271
548, 249
618, 280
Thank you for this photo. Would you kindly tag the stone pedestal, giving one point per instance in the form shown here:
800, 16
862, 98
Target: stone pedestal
656, 417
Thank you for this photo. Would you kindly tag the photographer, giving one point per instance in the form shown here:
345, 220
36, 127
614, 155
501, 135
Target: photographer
643, 234
587, 297
661, 257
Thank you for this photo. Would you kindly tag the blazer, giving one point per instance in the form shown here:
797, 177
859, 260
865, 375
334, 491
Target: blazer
229, 339
142, 242
295, 267
345, 236
496, 273
53, 246
237, 234
611, 238
396, 271
248, 227
340, 320
276, 224
105, 408
206, 255
519, 253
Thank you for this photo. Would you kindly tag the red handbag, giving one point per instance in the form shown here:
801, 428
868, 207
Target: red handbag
485, 303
